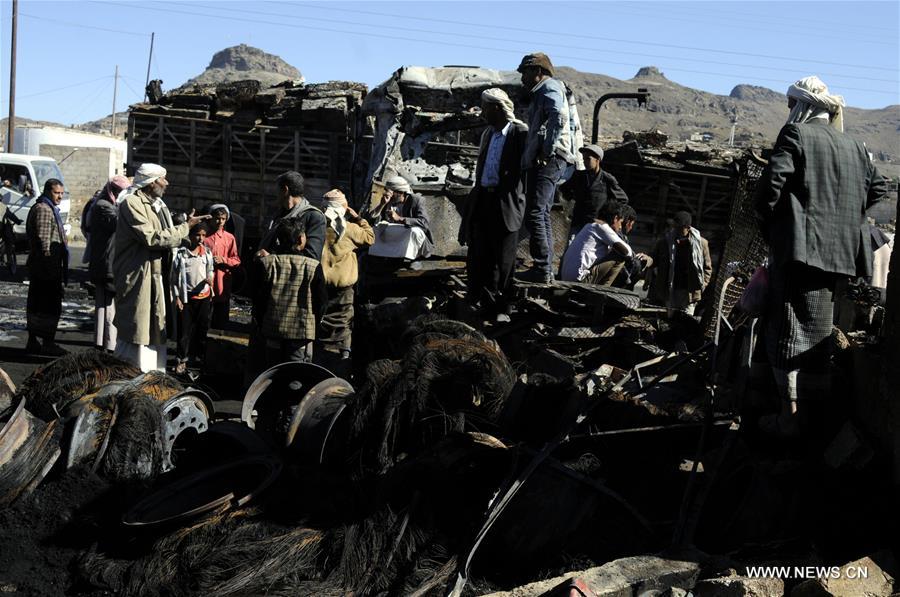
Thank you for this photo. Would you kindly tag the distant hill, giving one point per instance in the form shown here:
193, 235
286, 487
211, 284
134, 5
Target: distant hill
674, 109
679, 111
245, 62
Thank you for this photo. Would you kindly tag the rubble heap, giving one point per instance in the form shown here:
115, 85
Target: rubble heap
326, 106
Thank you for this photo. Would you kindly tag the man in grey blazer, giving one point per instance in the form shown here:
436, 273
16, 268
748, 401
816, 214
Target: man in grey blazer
812, 199
496, 208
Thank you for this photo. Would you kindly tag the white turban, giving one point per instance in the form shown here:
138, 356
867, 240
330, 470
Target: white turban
814, 102
147, 174
335, 211
398, 184
497, 96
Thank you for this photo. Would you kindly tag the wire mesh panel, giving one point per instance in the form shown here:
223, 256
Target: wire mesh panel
744, 248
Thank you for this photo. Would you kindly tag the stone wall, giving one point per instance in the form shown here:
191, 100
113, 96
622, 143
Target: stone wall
85, 171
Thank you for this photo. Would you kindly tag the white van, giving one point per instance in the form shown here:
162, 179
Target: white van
22, 178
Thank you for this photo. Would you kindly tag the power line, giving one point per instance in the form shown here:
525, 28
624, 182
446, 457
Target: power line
65, 87
804, 32
433, 42
498, 39
92, 100
79, 25
716, 7
494, 26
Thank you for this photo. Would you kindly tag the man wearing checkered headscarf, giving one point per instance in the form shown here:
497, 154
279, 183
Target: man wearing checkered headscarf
812, 199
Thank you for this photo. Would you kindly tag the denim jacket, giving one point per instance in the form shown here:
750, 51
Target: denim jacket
548, 124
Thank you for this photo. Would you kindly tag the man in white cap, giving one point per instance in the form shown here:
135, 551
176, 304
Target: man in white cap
402, 229
812, 199
591, 188
145, 239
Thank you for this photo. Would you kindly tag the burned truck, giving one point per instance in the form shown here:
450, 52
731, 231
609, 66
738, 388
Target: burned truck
227, 143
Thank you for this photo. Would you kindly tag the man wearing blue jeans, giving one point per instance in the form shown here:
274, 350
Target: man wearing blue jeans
547, 156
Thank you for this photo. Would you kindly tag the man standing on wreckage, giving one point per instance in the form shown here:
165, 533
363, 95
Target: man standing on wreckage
495, 208
144, 242
812, 198
547, 158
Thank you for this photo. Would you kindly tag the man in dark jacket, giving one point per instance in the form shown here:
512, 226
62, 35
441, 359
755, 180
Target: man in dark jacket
812, 199
682, 266
591, 188
294, 206
100, 228
48, 262
401, 225
496, 207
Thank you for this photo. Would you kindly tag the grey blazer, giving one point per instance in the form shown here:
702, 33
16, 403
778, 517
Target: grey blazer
813, 197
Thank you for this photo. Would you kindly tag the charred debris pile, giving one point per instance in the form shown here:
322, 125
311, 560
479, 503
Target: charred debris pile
592, 438
328, 106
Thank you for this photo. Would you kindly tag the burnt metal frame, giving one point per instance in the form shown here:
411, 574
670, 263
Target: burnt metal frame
641, 95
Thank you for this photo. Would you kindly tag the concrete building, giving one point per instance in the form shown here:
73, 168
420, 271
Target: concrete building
86, 160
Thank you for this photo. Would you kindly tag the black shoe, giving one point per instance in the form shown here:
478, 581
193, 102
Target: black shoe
33, 346
537, 276
52, 349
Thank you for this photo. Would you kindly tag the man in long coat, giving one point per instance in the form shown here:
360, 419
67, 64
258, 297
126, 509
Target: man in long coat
496, 208
812, 199
145, 239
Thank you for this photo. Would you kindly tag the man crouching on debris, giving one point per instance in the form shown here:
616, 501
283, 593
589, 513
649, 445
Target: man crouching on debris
496, 207
682, 266
812, 199
597, 253
288, 295
144, 245
547, 157
402, 229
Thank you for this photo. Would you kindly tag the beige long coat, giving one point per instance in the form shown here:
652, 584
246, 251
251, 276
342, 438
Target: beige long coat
141, 245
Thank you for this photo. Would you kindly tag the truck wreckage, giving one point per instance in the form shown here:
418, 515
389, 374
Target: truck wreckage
590, 446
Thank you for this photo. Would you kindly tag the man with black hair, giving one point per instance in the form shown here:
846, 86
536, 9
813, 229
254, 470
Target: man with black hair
682, 266
597, 254
294, 206
48, 263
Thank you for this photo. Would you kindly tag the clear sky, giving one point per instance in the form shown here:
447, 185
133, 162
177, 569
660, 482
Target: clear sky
67, 51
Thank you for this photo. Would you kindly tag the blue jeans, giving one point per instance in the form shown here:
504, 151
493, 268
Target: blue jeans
540, 189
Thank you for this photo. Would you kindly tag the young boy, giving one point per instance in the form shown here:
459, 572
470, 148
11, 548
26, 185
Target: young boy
192, 279
597, 253
223, 247
289, 292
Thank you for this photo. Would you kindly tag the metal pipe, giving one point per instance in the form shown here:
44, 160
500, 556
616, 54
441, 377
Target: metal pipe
641, 95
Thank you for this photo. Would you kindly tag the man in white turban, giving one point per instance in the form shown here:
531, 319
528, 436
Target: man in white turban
145, 239
402, 229
495, 208
812, 199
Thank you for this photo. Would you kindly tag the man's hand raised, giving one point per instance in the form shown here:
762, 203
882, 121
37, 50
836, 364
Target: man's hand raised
194, 220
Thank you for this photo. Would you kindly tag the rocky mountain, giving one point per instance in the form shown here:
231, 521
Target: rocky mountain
245, 62
680, 111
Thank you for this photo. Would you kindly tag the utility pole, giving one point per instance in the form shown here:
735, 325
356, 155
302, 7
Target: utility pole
11, 124
733, 125
115, 91
149, 60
